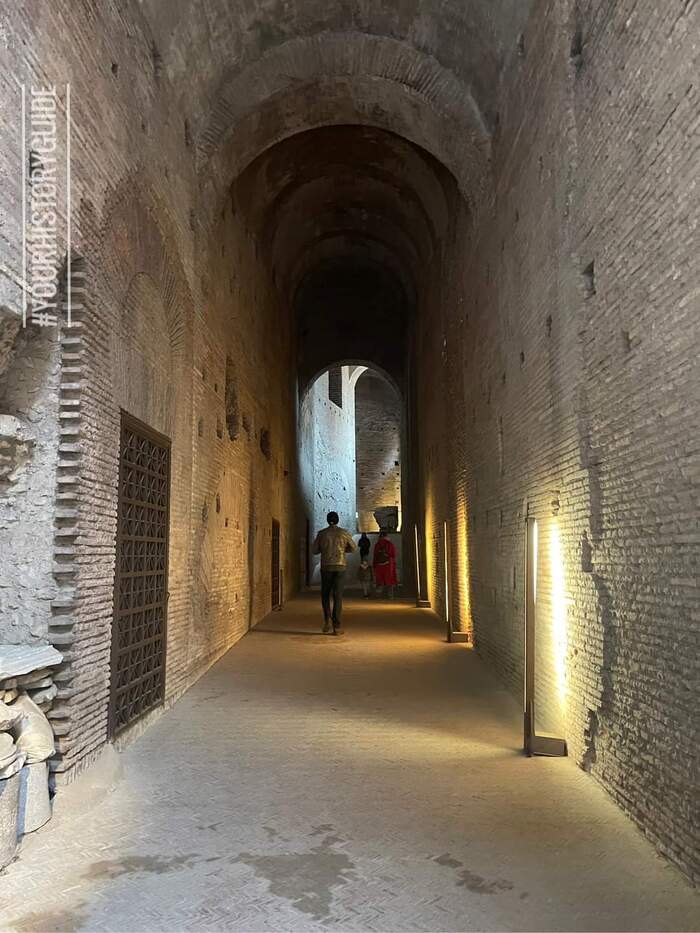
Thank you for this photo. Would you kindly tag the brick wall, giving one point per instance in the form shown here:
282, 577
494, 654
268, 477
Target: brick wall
378, 445
165, 305
327, 457
570, 400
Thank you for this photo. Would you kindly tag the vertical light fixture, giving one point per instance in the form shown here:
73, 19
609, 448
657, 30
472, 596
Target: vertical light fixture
559, 614
422, 602
418, 591
534, 744
447, 584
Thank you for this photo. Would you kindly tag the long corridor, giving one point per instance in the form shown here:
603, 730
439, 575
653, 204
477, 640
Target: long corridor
368, 782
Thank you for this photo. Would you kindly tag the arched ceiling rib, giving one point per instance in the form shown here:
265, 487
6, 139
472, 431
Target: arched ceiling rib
364, 190
349, 126
468, 38
350, 221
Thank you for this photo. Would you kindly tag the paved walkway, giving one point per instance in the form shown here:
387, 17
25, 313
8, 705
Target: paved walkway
369, 782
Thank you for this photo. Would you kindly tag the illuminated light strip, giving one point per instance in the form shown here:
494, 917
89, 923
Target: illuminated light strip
535, 537
415, 530
559, 614
447, 575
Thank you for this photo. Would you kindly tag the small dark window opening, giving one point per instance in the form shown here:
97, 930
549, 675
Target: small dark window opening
335, 386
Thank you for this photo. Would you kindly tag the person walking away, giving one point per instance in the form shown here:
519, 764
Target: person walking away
384, 563
333, 543
364, 545
364, 575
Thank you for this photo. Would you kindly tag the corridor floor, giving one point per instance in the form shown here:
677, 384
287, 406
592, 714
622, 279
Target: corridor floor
368, 782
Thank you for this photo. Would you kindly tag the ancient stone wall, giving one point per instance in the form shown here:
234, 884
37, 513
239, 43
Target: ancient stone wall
165, 305
28, 454
378, 446
327, 457
550, 389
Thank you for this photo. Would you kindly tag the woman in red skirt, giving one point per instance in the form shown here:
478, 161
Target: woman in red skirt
384, 564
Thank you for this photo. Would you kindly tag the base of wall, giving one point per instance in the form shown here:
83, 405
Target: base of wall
423, 604
460, 637
133, 732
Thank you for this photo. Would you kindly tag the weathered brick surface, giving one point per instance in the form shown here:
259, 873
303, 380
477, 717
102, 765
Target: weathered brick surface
28, 455
578, 407
378, 444
327, 455
153, 341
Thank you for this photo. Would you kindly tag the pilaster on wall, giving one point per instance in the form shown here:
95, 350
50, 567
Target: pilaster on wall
68, 486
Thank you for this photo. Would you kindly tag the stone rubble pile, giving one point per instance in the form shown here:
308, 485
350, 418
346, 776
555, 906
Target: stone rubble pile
27, 692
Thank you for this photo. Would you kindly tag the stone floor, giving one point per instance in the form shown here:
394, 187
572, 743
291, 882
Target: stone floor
368, 782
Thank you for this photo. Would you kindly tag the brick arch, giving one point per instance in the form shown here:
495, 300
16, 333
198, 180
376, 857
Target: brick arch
143, 282
361, 367
345, 77
137, 239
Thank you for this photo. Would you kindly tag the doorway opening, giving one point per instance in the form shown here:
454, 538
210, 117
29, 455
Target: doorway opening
351, 453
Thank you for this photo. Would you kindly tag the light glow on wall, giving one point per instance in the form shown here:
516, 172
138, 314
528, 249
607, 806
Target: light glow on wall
559, 612
535, 542
447, 575
429, 546
463, 565
415, 530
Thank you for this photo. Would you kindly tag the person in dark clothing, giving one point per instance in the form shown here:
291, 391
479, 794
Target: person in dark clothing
364, 544
332, 543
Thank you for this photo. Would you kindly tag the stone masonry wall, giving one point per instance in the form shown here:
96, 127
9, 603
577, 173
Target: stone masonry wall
327, 457
564, 379
378, 445
153, 340
28, 454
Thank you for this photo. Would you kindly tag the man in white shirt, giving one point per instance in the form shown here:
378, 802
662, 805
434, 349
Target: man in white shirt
333, 543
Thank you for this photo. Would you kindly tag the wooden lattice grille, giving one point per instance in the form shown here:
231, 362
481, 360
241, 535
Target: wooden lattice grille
141, 580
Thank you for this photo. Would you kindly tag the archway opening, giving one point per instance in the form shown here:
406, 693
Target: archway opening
351, 445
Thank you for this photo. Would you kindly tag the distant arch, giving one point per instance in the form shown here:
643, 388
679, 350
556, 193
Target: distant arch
362, 366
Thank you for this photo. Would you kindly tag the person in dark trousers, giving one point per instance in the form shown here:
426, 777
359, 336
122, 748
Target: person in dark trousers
333, 543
